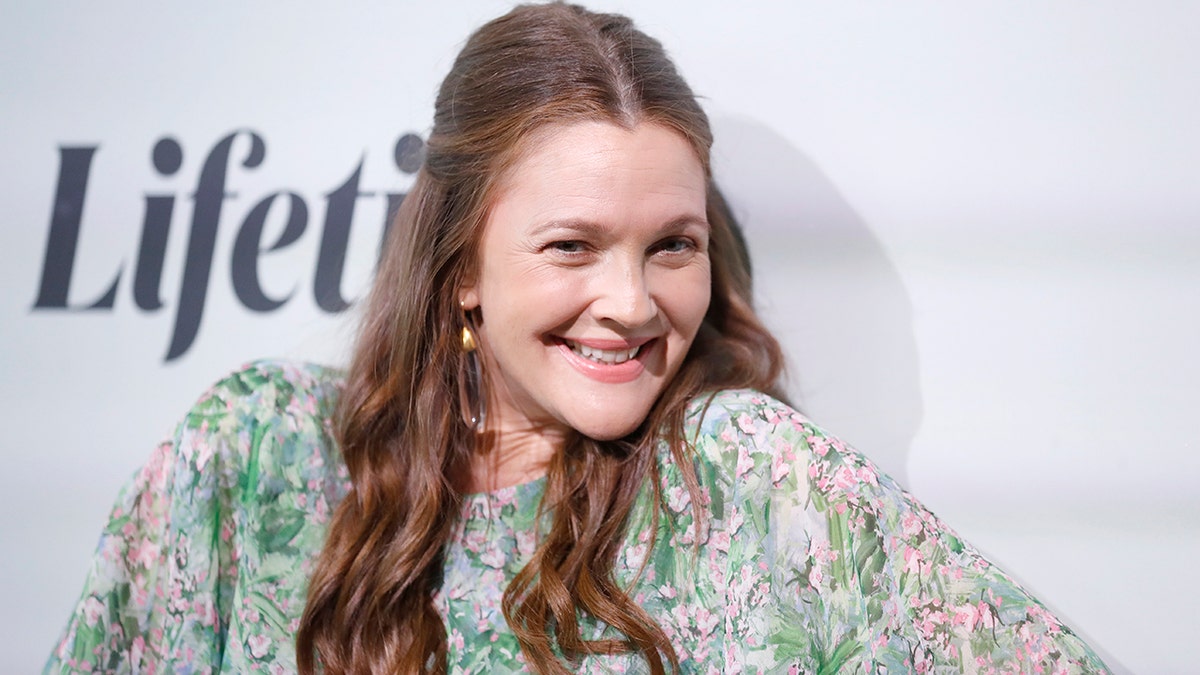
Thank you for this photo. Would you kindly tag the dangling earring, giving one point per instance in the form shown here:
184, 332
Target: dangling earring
471, 400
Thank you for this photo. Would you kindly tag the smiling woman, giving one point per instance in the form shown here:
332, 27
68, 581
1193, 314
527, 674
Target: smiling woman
593, 280
560, 445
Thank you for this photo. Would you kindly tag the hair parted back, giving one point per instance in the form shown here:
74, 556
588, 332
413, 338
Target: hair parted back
400, 425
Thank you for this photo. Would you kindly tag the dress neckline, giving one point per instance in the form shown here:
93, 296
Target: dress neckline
503, 502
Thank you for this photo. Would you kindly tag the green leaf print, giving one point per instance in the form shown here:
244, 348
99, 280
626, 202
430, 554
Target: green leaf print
280, 527
847, 649
250, 478
868, 556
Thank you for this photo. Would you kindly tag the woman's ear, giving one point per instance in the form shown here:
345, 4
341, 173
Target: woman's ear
468, 297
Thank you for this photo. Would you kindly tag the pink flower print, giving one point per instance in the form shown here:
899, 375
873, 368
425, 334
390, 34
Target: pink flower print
867, 475
679, 615
721, 541
910, 524
144, 554
203, 453
746, 424
474, 541
667, 591
736, 520
845, 478
141, 591
819, 445
136, 651
526, 542
678, 499
1051, 622
634, 555
92, 609
744, 463
815, 575
774, 416
785, 448
966, 615
706, 622
504, 497
779, 469
258, 644
456, 640
912, 561
493, 558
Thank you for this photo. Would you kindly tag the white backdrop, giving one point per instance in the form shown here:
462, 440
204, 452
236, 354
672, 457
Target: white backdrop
974, 226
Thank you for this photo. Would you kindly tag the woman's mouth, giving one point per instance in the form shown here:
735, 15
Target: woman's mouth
609, 361
608, 356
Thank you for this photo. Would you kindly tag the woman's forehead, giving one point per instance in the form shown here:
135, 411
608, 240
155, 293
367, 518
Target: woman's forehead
601, 172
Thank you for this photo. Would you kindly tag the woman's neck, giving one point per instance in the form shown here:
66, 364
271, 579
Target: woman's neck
507, 457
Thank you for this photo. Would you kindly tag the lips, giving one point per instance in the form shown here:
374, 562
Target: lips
606, 356
609, 361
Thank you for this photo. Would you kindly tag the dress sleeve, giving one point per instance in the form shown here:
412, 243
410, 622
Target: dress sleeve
203, 563
163, 569
864, 577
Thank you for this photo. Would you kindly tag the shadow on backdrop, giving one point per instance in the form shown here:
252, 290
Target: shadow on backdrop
827, 289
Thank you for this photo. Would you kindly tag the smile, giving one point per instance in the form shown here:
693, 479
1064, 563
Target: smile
608, 356
608, 361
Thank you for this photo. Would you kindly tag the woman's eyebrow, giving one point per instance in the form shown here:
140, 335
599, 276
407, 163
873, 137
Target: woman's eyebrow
592, 228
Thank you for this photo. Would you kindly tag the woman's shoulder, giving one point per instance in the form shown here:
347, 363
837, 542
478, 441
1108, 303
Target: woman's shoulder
752, 422
280, 387
266, 426
758, 444
205, 556
743, 409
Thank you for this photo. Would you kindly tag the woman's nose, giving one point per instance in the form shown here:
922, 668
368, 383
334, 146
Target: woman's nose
623, 295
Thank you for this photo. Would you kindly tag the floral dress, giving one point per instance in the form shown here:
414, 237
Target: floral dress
809, 560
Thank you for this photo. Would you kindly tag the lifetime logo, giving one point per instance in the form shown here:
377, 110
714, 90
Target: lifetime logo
66, 216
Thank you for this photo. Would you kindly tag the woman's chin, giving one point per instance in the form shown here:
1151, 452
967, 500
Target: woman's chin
608, 429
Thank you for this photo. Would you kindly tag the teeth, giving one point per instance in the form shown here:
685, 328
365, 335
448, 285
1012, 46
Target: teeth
604, 355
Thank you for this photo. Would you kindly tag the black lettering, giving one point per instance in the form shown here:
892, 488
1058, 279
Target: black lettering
206, 216
331, 259
66, 215
248, 247
156, 226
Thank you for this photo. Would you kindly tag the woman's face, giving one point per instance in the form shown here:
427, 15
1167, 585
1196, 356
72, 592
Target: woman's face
593, 277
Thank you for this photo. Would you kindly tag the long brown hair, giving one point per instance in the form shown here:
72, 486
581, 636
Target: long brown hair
400, 423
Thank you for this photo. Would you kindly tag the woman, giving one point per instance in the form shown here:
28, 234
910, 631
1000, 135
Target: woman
559, 446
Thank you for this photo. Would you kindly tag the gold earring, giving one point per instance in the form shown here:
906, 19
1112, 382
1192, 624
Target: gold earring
471, 400
468, 338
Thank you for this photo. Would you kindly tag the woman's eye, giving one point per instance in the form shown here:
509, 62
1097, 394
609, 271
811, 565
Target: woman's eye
674, 246
570, 247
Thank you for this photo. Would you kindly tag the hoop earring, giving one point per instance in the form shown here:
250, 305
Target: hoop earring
472, 403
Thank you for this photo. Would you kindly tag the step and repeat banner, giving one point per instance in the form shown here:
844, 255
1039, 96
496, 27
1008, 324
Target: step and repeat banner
976, 230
